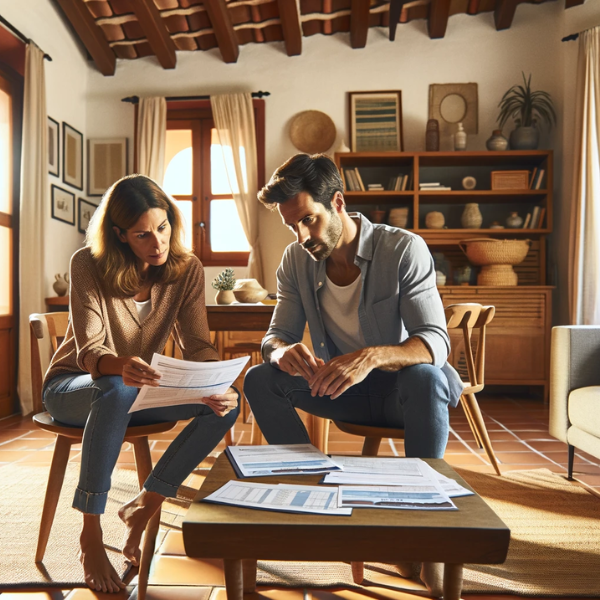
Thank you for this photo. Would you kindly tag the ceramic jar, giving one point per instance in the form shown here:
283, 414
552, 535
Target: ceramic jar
514, 221
460, 138
61, 286
434, 220
524, 138
440, 278
471, 217
377, 216
249, 291
497, 142
225, 297
432, 136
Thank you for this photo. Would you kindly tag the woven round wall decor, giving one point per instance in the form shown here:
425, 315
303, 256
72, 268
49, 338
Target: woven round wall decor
312, 131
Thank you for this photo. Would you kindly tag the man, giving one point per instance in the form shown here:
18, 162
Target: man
374, 313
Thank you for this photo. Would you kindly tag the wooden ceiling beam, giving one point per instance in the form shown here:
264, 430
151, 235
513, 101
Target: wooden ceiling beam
290, 25
396, 7
504, 13
359, 23
155, 31
90, 34
439, 11
571, 3
224, 32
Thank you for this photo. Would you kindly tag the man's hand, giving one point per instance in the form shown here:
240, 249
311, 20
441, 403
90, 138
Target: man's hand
296, 359
137, 372
221, 404
342, 372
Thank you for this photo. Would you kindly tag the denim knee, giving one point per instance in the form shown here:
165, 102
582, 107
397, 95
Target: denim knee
115, 395
430, 382
256, 379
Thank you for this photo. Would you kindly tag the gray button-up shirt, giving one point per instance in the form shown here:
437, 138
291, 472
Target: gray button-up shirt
399, 297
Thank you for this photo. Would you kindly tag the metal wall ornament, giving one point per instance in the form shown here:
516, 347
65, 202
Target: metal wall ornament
453, 103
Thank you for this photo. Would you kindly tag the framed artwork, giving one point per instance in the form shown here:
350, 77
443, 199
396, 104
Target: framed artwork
107, 163
63, 205
453, 103
85, 210
376, 121
72, 156
53, 147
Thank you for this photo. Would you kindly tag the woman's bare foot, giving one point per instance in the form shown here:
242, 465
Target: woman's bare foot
98, 572
136, 514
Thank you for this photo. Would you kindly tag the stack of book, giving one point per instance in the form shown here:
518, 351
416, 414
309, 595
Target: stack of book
352, 180
535, 219
433, 187
399, 184
537, 178
375, 187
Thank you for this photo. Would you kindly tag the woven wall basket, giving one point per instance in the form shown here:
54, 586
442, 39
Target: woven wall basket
312, 131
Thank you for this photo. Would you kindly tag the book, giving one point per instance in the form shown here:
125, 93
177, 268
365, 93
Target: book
532, 178
352, 186
526, 221
399, 181
540, 224
539, 179
535, 215
404, 183
361, 185
344, 179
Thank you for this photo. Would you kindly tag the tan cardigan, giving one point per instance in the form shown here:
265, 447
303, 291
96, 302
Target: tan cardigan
100, 325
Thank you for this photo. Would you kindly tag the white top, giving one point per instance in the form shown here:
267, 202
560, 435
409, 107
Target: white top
339, 309
143, 309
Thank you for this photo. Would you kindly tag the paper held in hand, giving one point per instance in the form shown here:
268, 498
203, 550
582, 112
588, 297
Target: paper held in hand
186, 382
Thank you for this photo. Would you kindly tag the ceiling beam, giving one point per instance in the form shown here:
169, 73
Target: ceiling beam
571, 3
290, 25
155, 31
504, 13
359, 23
221, 22
90, 34
439, 11
396, 7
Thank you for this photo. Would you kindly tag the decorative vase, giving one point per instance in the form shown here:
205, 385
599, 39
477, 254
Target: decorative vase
434, 220
440, 278
524, 138
61, 286
471, 217
514, 221
342, 147
432, 136
249, 291
460, 138
469, 182
497, 142
462, 275
377, 216
398, 217
224, 297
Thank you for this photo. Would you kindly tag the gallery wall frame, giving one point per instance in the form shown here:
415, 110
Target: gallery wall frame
85, 211
107, 163
63, 204
53, 147
453, 103
72, 156
376, 121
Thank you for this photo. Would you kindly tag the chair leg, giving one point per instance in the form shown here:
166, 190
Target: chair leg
256, 436
358, 572
60, 458
229, 437
469, 416
371, 446
143, 460
479, 423
571, 461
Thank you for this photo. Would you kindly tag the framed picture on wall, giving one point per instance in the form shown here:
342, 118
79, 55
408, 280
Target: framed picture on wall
53, 147
85, 210
107, 163
63, 205
72, 156
376, 121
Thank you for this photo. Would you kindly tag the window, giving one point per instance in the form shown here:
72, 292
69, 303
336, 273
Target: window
196, 177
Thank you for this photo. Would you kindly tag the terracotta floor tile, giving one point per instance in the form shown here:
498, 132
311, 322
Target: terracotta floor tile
85, 594
534, 435
56, 595
173, 592
509, 446
466, 459
13, 455
172, 544
370, 593
548, 446
27, 444
178, 570
521, 458
264, 594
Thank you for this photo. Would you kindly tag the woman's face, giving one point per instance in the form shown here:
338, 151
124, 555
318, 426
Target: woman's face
149, 238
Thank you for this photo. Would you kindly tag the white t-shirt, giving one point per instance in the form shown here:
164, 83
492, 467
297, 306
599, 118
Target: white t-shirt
143, 309
339, 309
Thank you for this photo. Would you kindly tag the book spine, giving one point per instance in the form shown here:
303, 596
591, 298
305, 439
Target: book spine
526, 221
361, 185
540, 177
534, 217
532, 180
540, 224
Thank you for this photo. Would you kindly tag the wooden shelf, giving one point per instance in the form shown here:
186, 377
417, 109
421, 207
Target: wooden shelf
482, 196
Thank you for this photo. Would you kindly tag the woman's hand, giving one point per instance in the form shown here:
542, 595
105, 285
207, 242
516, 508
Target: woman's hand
137, 372
221, 404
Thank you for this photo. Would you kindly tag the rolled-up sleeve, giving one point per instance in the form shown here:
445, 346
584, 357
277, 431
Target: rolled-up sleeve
420, 303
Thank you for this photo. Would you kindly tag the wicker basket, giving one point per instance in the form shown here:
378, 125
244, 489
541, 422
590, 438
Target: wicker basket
487, 251
497, 275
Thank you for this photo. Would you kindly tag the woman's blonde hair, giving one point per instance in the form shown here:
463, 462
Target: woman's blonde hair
122, 205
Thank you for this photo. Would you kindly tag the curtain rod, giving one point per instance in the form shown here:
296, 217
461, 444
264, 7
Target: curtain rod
574, 36
136, 99
20, 35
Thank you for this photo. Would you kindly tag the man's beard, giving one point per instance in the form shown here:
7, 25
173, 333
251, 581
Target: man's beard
321, 249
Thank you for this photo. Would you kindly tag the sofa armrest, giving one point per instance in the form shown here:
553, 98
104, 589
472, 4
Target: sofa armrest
574, 363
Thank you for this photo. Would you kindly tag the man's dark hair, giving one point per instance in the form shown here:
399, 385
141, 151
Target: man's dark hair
314, 174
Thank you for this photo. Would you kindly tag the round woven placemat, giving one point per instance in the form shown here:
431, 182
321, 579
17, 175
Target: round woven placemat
312, 131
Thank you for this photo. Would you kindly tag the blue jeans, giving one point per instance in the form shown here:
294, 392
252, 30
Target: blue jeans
100, 406
414, 399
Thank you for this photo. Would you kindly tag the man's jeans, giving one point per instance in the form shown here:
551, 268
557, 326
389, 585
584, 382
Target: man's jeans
101, 407
414, 399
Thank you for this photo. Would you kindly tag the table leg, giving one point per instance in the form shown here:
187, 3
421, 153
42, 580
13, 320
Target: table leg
249, 569
453, 578
234, 579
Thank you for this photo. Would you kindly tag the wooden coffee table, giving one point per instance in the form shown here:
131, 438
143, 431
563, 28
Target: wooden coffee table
241, 536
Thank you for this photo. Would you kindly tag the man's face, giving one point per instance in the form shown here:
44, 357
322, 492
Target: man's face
317, 230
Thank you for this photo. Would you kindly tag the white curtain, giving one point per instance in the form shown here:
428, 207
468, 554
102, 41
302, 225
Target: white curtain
584, 250
33, 208
234, 120
151, 138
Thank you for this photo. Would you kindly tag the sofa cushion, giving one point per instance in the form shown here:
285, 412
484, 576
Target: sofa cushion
584, 409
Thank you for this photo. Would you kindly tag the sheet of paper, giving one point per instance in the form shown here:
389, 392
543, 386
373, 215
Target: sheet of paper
187, 382
285, 498
411, 497
405, 467
286, 459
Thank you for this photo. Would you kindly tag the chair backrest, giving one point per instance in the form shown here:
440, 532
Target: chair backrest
469, 317
46, 333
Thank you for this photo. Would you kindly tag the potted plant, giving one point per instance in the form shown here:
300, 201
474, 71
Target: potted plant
528, 109
224, 282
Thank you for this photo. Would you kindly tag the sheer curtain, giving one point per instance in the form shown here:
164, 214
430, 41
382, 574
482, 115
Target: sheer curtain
151, 138
234, 120
33, 208
584, 250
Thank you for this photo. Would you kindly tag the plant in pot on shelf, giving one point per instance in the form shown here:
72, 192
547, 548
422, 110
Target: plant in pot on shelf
224, 282
527, 108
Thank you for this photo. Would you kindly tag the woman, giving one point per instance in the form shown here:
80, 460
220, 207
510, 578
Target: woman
131, 286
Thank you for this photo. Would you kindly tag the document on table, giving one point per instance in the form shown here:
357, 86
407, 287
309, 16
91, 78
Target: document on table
286, 498
284, 459
187, 382
412, 497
